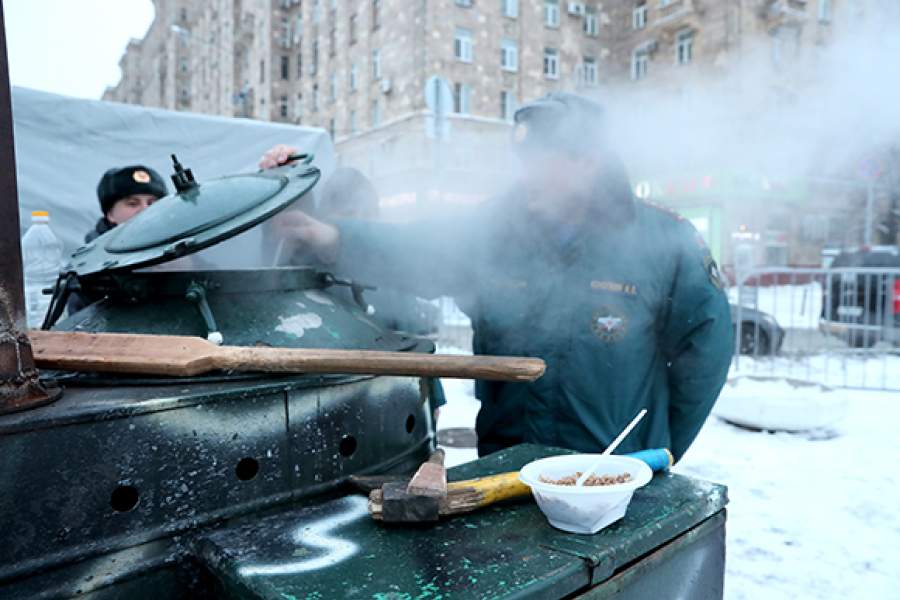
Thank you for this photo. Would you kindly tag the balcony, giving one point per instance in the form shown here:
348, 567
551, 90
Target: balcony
671, 16
784, 12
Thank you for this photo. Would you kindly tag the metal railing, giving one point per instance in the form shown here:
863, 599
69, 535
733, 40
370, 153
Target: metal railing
838, 326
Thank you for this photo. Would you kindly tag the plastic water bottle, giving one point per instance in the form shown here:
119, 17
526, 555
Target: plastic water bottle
42, 254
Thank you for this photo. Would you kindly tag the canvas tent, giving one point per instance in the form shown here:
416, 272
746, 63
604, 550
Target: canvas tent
63, 146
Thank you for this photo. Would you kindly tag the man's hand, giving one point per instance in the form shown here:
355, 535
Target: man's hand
321, 238
276, 156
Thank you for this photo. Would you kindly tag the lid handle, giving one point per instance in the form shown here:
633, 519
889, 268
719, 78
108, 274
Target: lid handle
183, 178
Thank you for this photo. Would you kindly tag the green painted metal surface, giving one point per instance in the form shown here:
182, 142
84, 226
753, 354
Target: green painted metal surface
279, 306
509, 551
690, 566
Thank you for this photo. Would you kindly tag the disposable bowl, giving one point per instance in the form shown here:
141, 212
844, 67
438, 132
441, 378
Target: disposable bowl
586, 509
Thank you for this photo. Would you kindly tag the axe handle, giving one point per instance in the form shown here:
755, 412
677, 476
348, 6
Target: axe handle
466, 496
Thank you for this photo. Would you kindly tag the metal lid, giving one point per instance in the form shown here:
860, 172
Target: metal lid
195, 217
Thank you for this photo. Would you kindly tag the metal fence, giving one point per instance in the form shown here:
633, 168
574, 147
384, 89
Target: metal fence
839, 326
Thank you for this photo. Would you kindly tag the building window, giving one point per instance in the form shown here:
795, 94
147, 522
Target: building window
639, 16
184, 15
462, 45
286, 33
353, 77
461, 93
639, 60
299, 65
332, 37
684, 47
591, 25
824, 11
285, 68
551, 13
509, 55
331, 127
352, 121
510, 8
376, 64
314, 63
352, 29
316, 11
283, 107
298, 29
298, 109
376, 14
262, 71
785, 44
466, 3
315, 97
590, 71
507, 105
332, 87
184, 65
551, 63
376, 114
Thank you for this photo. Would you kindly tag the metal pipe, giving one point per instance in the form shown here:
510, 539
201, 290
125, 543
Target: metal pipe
20, 387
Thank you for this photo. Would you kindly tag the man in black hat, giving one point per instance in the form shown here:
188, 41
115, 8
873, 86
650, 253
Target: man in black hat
124, 192
622, 299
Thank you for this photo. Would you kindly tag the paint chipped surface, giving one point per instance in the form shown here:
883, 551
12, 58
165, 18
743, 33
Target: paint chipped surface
298, 324
333, 550
318, 297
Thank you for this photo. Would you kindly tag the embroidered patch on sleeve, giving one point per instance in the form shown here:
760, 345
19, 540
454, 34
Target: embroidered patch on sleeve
712, 269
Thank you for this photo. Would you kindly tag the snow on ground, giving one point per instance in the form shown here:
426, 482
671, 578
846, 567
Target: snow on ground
879, 370
811, 515
459, 411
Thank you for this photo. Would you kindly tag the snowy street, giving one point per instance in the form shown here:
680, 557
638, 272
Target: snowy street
811, 515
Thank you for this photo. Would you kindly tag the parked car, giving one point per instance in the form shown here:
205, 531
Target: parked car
863, 308
759, 332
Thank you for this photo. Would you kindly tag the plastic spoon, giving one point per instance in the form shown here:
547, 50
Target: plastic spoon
609, 449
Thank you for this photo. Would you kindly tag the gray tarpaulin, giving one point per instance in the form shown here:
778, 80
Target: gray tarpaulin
63, 146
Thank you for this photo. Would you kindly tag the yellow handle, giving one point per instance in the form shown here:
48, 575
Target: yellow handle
494, 488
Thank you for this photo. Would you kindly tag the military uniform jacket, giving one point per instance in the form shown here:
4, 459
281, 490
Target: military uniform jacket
626, 308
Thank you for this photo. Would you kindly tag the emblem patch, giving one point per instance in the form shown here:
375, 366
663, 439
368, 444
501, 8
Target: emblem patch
141, 176
609, 324
712, 269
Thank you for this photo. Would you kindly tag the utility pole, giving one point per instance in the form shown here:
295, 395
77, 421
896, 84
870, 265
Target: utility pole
20, 387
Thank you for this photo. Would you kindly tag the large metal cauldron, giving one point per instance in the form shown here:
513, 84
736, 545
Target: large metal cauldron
120, 461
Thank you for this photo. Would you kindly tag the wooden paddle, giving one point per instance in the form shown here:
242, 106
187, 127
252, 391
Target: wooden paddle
186, 356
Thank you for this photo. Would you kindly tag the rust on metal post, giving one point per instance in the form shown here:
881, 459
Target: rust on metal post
20, 387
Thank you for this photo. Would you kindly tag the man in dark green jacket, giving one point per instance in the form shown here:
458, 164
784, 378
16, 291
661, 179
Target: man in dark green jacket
621, 299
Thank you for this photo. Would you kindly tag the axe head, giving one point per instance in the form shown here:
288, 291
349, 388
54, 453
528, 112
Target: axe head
399, 506
429, 480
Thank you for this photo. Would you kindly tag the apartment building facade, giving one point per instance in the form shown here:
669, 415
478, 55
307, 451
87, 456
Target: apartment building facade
358, 69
